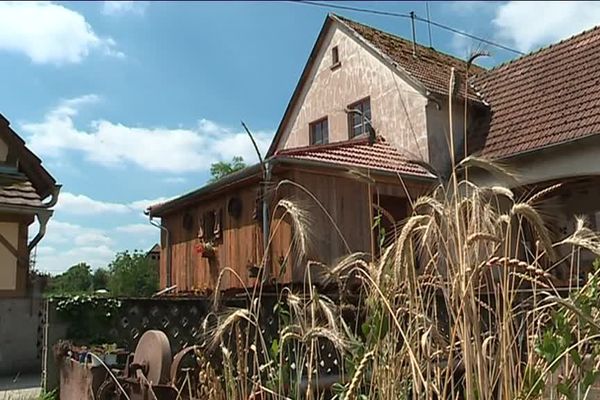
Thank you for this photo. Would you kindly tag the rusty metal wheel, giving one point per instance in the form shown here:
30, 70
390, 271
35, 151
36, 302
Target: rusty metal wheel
109, 390
153, 353
185, 364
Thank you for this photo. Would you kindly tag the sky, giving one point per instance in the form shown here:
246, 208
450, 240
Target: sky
128, 103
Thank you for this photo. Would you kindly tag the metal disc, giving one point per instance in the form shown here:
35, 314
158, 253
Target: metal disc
154, 351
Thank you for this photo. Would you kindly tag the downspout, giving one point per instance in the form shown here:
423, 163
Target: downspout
266, 226
266, 167
265, 205
43, 216
168, 244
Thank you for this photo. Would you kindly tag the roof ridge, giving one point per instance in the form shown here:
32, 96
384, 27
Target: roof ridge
543, 48
395, 36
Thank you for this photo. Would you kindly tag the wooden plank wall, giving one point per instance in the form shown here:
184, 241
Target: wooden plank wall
344, 198
238, 247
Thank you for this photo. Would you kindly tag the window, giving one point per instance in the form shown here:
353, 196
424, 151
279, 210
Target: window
359, 115
211, 225
319, 132
335, 56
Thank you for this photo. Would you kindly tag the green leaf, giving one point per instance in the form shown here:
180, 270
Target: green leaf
589, 378
338, 388
275, 348
565, 390
576, 357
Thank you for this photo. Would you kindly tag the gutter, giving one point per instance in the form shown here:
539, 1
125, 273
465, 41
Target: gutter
268, 165
213, 188
169, 250
43, 216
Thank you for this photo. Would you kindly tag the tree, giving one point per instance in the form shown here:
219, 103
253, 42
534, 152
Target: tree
132, 274
100, 279
75, 280
221, 169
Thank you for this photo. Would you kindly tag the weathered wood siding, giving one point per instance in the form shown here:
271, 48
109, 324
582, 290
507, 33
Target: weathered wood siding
344, 203
238, 247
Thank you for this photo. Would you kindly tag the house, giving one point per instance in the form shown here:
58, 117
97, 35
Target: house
544, 122
154, 253
366, 104
27, 194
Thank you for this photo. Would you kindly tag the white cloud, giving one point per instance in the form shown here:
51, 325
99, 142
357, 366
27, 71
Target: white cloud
58, 232
56, 261
531, 24
67, 244
142, 205
117, 8
79, 204
139, 229
92, 239
110, 144
49, 33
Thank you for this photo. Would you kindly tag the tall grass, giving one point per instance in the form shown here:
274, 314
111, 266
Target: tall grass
463, 304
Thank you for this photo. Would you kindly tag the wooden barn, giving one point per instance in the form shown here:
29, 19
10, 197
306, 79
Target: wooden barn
224, 225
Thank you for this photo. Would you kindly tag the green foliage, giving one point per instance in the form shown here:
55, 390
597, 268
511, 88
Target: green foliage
129, 274
571, 336
88, 317
221, 169
132, 274
100, 279
52, 395
75, 280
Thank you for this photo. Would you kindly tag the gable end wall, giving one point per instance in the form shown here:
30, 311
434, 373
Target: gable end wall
398, 109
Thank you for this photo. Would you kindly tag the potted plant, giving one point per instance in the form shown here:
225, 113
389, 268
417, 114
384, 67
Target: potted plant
206, 249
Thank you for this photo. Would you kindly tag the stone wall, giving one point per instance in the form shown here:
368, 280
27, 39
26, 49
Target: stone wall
20, 335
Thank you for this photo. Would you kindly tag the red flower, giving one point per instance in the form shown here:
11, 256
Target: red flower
200, 248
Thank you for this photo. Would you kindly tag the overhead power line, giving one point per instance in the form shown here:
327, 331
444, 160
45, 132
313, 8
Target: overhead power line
401, 15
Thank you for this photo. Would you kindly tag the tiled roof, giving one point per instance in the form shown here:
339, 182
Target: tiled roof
18, 193
358, 154
430, 67
545, 98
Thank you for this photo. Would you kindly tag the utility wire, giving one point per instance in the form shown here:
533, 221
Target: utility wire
429, 23
395, 14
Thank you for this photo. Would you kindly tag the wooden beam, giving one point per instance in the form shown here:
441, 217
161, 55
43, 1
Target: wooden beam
21, 260
9, 246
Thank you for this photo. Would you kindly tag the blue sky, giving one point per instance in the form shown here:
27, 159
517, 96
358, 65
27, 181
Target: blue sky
128, 103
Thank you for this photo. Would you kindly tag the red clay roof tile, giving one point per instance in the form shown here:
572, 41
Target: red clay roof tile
543, 99
430, 67
379, 156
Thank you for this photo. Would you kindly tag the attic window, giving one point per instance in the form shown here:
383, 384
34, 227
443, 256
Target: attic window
359, 115
319, 132
335, 57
